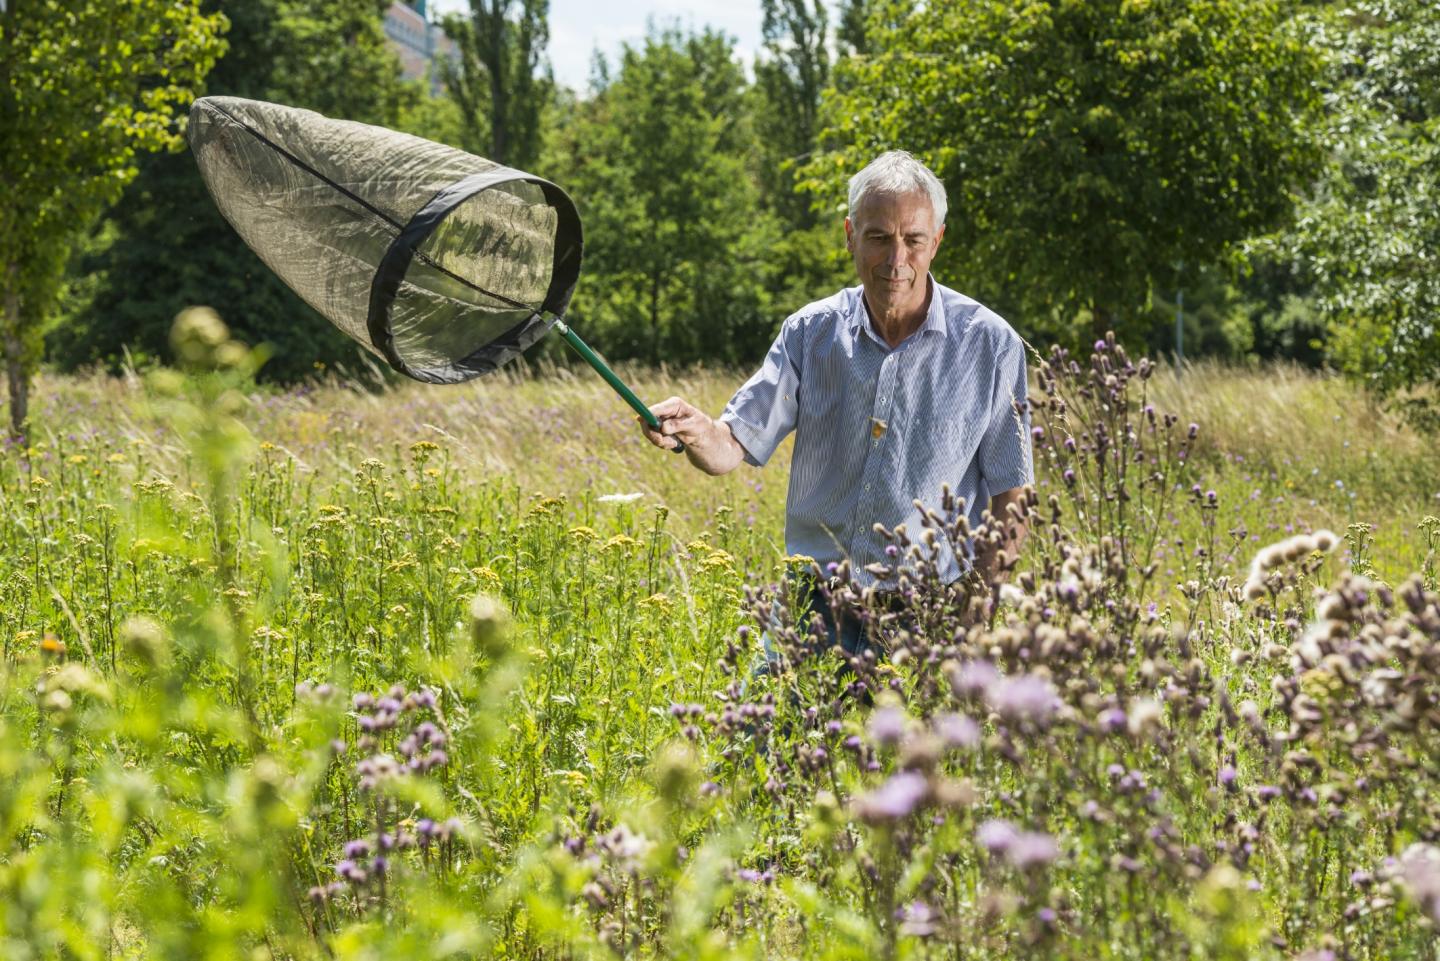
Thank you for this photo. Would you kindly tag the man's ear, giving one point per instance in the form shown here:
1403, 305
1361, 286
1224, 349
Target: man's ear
849, 235
939, 235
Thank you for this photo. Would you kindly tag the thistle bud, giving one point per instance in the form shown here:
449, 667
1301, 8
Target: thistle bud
489, 626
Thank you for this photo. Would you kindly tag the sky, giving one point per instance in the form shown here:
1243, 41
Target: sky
579, 27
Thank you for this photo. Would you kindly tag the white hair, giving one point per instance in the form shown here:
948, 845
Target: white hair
897, 172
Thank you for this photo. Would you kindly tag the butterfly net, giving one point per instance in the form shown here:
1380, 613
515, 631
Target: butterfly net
443, 263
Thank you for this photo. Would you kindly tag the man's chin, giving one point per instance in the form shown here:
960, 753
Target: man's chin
886, 297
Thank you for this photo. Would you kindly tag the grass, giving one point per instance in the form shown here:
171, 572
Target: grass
199, 575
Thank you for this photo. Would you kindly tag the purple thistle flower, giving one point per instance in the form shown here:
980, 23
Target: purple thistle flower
996, 835
974, 677
1023, 697
917, 919
895, 799
356, 849
957, 731
1031, 849
1420, 873
1227, 776
351, 871
887, 725
1113, 720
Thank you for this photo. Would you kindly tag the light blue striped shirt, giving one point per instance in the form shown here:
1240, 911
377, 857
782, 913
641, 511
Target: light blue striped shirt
876, 428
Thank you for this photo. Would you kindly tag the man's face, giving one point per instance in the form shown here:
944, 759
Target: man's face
893, 238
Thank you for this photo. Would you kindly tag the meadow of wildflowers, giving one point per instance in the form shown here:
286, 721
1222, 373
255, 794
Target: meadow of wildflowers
423, 673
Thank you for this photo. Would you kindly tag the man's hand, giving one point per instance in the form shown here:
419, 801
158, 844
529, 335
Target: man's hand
1008, 509
708, 443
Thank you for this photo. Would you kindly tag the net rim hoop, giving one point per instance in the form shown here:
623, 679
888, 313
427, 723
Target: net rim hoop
565, 272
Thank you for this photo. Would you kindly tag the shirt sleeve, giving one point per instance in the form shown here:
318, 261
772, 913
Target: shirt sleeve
763, 410
1005, 455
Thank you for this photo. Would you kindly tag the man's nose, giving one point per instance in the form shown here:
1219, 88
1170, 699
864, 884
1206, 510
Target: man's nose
897, 255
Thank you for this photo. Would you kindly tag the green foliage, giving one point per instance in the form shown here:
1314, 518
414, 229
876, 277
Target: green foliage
85, 87
1369, 233
165, 247
1088, 147
676, 250
850, 33
501, 85
789, 78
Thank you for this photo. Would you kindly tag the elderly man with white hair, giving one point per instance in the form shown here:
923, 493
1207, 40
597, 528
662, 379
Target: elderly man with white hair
894, 389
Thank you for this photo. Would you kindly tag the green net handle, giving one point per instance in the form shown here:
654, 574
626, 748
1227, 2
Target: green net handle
621, 388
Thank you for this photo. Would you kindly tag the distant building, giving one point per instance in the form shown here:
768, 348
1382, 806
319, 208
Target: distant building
417, 41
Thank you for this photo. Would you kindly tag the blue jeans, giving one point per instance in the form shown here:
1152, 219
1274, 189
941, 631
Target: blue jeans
851, 634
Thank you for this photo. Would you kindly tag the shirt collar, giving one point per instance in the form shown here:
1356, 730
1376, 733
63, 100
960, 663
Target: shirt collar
934, 317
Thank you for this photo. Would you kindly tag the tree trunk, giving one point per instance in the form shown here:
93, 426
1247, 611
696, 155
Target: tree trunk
496, 52
14, 351
1102, 321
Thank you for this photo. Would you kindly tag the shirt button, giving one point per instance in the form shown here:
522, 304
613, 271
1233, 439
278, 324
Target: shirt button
867, 487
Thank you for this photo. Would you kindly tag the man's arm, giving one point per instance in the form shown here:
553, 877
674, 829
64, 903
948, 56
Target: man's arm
709, 443
994, 566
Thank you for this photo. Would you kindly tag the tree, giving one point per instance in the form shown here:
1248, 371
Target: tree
165, 247
676, 244
850, 35
789, 79
1369, 233
498, 82
1088, 147
85, 87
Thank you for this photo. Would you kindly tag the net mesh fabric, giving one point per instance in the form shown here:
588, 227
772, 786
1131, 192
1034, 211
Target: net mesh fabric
323, 201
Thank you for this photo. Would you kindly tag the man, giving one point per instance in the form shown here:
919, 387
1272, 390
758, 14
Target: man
893, 388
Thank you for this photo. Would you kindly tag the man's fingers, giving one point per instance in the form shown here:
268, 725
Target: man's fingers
679, 424
659, 439
668, 407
